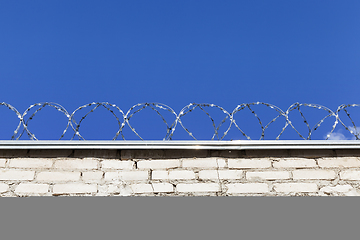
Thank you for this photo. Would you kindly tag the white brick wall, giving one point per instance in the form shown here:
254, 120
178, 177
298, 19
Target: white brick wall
92, 176
76, 164
117, 164
3, 187
314, 174
350, 175
221, 174
58, 176
204, 163
2, 162
247, 188
69, 188
268, 176
197, 187
127, 175
158, 164
32, 188
173, 175
30, 163
16, 175
295, 187
249, 163
347, 162
295, 163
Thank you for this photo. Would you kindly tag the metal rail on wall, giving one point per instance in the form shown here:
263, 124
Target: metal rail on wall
123, 118
183, 145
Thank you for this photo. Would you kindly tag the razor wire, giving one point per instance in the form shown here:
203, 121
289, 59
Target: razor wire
124, 118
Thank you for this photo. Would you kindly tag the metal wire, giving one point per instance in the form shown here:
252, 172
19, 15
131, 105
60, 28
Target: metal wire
123, 118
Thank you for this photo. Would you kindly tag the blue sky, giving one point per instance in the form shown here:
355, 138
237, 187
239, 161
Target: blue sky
175, 52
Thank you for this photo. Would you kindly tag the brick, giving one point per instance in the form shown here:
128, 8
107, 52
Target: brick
204, 163
3, 187
249, 163
74, 188
31, 163
76, 164
221, 174
173, 175
58, 176
160, 175
16, 175
32, 188
163, 187
92, 176
158, 164
353, 192
350, 175
345, 162
314, 174
247, 188
295, 163
127, 175
2, 162
142, 188
150, 188
198, 187
117, 164
181, 174
273, 175
295, 187
338, 188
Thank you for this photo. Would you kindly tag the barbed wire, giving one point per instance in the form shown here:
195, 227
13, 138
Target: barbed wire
123, 118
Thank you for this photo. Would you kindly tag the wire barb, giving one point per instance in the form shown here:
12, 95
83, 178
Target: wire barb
123, 118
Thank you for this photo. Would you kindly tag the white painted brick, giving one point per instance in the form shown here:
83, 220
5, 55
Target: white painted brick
16, 175
92, 176
249, 163
155, 187
295, 163
338, 188
295, 187
350, 175
32, 188
141, 188
163, 187
270, 175
160, 175
198, 187
173, 175
76, 164
2, 162
58, 176
220, 174
31, 163
117, 164
247, 188
314, 174
353, 192
181, 174
158, 164
204, 163
127, 175
345, 162
3, 187
74, 188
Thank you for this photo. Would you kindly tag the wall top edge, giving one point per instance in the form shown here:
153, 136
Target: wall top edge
208, 145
